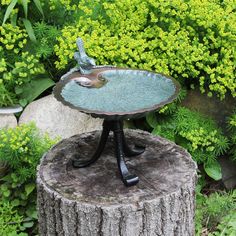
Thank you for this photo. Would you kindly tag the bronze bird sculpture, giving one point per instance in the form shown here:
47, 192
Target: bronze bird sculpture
86, 73
85, 62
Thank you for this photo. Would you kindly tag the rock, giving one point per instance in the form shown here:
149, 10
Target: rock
8, 120
213, 107
57, 119
228, 168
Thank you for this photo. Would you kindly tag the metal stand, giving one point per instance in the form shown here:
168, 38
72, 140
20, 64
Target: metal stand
122, 150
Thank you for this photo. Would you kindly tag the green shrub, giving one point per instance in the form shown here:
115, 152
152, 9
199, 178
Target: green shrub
12, 40
22, 75
25, 63
227, 226
46, 34
21, 148
10, 221
191, 40
18, 11
216, 213
198, 134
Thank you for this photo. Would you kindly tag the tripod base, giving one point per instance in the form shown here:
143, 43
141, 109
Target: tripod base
121, 148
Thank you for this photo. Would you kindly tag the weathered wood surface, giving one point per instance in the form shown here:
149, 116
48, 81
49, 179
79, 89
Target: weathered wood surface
93, 201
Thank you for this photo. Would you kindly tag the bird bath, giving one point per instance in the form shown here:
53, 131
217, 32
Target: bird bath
114, 94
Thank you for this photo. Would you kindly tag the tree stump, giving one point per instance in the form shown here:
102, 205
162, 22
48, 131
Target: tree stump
93, 200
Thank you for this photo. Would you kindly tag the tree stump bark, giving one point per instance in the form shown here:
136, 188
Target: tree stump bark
93, 200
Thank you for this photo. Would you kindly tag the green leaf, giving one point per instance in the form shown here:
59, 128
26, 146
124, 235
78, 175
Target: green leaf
151, 119
14, 177
25, 7
29, 188
157, 130
29, 29
7, 178
32, 213
33, 89
6, 193
23, 196
213, 170
9, 10
15, 202
18, 90
39, 6
14, 19
22, 234
28, 224
14, 185
23, 102
4, 188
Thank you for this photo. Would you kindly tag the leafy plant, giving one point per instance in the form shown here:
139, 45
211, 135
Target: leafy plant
198, 134
13, 10
191, 40
46, 34
227, 226
216, 213
10, 221
21, 148
19, 69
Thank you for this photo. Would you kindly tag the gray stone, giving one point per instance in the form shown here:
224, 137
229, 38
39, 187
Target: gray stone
228, 168
213, 107
57, 119
7, 120
93, 201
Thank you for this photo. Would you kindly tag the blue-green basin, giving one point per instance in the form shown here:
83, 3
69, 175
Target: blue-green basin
127, 93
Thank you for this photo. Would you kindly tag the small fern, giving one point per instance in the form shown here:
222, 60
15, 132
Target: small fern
198, 134
46, 34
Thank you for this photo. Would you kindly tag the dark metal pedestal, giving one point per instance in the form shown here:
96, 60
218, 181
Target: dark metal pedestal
122, 150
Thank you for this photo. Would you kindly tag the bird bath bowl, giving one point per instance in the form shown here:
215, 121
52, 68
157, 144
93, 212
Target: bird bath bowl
115, 94
126, 94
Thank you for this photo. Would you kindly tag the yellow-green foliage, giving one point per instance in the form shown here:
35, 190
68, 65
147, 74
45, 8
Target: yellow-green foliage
22, 147
5, 2
12, 38
69, 5
17, 67
201, 134
25, 69
198, 134
191, 39
201, 138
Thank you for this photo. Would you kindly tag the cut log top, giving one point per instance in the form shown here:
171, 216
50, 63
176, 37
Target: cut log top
164, 168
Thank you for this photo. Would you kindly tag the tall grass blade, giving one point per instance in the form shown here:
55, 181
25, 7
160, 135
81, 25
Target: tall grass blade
9, 10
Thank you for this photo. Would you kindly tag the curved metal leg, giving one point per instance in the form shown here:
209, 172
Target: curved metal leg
103, 139
128, 178
130, 152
